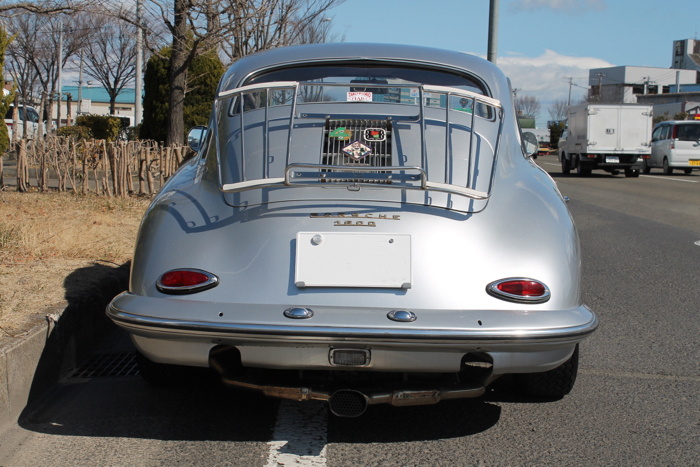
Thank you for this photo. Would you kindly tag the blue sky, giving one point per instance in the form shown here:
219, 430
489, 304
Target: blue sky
539, 41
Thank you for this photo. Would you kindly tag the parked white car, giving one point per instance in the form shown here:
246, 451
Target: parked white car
675, 145
32, 117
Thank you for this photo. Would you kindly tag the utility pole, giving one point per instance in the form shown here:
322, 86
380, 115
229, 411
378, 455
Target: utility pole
600, 86
80, 86
60, 78
571, 83
138, 112
493, 32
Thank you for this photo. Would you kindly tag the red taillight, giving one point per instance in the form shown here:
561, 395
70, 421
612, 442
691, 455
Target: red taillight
183, 281
522, 288
519, 290
9, 125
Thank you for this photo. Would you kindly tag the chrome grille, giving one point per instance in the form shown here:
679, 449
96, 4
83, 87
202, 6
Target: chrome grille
333, 147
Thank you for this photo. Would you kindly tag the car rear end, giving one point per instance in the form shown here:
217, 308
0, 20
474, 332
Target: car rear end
356, 234
684, 146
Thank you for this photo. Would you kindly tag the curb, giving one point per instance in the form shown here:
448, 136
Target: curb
34, 362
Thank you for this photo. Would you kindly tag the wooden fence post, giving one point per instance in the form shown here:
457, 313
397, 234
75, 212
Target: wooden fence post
113, 166
21, 162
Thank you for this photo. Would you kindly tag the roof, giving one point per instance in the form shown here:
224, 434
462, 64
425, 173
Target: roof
406, 54
98, 94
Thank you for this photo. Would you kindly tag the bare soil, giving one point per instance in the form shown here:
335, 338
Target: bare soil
57, 247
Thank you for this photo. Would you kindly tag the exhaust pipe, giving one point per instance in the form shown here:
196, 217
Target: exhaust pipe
348, 403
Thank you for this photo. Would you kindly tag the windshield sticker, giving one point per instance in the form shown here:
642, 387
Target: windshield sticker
357, 150
374, 134
341, 133
359, 96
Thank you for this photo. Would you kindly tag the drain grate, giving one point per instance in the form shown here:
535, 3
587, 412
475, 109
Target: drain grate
107, 364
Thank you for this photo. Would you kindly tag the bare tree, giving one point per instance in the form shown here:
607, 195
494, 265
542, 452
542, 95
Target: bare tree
558, 110
47, 7
266, 24
110, 55
527, 105
20, 53
37, 47
234, 28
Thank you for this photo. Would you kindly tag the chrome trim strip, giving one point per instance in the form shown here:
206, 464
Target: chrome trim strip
286, 182
262, 331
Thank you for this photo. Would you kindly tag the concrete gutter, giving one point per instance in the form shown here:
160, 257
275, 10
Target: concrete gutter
36, 360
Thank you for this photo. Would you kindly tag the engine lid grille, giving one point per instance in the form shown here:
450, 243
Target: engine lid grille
373, 134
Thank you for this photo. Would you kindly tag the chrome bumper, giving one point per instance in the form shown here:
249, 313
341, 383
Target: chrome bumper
397, 346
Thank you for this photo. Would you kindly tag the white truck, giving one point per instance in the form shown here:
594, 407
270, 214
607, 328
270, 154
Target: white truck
610, 137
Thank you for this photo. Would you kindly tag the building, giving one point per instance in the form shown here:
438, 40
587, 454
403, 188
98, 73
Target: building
623, 84
95, 101
686, 56
670, 90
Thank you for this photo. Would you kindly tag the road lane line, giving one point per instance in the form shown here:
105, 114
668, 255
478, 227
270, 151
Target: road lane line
300, 435
669, 179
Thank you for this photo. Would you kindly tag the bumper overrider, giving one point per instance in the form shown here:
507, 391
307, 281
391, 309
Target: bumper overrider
497, 343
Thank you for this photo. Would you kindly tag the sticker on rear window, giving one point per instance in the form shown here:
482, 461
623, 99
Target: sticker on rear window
360, 96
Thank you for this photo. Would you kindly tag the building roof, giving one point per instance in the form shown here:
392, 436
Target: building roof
98, 94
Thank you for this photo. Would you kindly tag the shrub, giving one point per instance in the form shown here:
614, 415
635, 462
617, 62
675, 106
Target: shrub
77, 132
101, 126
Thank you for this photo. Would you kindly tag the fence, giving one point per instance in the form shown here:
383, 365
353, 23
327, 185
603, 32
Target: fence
96, 166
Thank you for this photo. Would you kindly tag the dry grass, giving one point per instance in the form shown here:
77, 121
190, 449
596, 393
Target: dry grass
46, 237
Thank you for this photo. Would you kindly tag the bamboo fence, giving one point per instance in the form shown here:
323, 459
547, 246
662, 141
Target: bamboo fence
105, 168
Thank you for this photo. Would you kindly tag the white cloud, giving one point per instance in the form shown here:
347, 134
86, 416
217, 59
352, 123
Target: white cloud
558, 5
543, 76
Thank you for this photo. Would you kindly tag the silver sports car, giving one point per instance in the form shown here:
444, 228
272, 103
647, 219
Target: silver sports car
361, 224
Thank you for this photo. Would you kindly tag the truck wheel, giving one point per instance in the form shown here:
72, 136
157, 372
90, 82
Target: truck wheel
580, 169
645, 166
565, 167
668, 170
553, 383
631, 173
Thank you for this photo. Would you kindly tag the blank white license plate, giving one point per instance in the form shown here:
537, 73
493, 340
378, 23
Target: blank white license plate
612, 160
335, 259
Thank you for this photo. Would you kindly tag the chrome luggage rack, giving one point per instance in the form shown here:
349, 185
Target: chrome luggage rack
356, 176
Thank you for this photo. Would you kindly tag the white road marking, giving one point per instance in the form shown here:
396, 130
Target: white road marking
300, 435
697, 243
549, 163
669, 179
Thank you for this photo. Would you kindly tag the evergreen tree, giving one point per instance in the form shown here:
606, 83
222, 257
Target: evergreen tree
204, 74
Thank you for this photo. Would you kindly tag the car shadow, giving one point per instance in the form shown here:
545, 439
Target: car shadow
388, 424
79, 329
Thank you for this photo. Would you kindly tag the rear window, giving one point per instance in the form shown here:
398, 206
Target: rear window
688, 131
363, 83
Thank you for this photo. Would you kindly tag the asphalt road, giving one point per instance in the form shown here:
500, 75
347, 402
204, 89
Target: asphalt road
636, 401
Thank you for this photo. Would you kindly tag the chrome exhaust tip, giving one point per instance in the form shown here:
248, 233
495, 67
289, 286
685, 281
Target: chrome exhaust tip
348, 403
